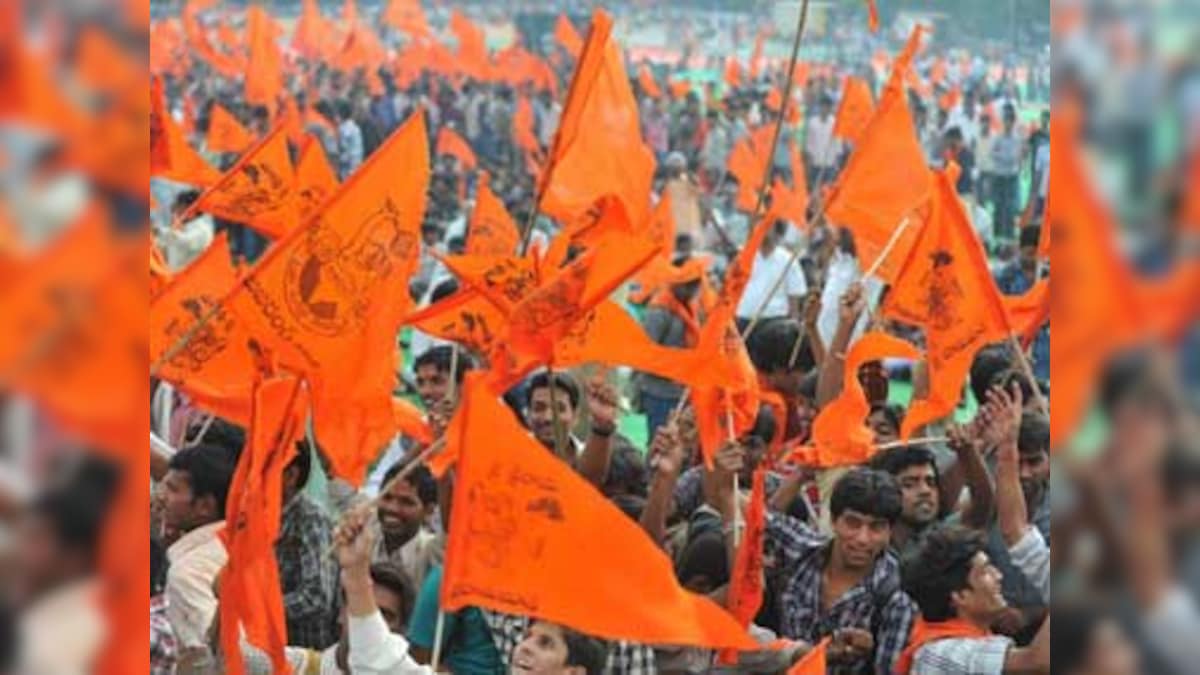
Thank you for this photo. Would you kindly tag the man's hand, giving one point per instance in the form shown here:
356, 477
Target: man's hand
850, 644
1000, 416
439, 416
355, 541
962, 438
1010, 622
603, 404
851, 305
812, 312
666, 451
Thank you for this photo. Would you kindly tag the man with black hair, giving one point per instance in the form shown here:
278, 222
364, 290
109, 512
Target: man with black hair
846, 586
958, 151
763, 297
433, 377
403, 510
350, 141
1017, 278
307, 576
1006, 150
193, 495
958, 590
162, 638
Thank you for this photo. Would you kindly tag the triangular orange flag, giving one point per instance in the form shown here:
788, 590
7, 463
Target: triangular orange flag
472, 55
565, 525
450, 143
264, 74
854, 111
326, 301
788, 204
1029, 312
840, 435
567, 36
170, 155
814, 662
350, 13
733, 72
466, 318
259, 190
950, 100
407, 16
491, 231
647, 83
886, 181
946, 288
598, 149
251, 597
215, 368
679, 88
756, 56
872, 16
522, 122
746, 579
315, 179
747, 167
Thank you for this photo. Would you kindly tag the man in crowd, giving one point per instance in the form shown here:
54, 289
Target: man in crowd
307, 576
404, 508
673, 320
193, 495
1006, 168
764, 298
822, 152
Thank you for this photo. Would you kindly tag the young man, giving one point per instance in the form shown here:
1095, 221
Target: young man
193, 496
307, 576
403, 511
959, 152
466, 639
776, 300
350, 141
433, 377
553, 411
958, 590
1006, 167
822, 151
846, 586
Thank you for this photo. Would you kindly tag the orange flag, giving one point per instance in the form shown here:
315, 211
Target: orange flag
647, 83
840, 435
466, 318
524, 557
567, 36
450, 143
410, 421
733, 72
326, 300
598, 149
225, 133
472, 55
491, 230
946, 288
756, 56
679, 88
215, 368
746, 579
814, 662
315, 179
264, 75
259, 190
1029, 312
407, 16
311, 29
170, 155
251, 598
720, 340
950, 100
872, 16
522, 121
747, 166
1089, 327
886, 182
792, 203
854, 111
350, 12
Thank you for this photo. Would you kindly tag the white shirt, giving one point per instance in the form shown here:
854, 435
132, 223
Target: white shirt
1042, 162
822, 148
374, 649
763, 277
196, 559
64, 632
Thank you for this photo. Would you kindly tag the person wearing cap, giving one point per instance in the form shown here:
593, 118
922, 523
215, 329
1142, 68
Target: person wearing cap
672, 319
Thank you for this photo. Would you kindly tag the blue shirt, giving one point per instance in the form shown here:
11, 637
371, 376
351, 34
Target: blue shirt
466, 638
1011, 280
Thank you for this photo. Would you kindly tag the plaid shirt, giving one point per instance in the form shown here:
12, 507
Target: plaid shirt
798, 554
307, 576
162, 638
967, 656
624, 658
689, 489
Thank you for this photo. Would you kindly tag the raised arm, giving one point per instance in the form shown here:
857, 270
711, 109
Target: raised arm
602, 401
665, 461
829, 379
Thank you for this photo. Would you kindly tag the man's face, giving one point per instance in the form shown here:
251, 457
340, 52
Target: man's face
181, 511
983, 598
541, 414
918, 494
400, 512
38, 560
391, 606
1035, 476
881, 424
860, 538
432, 384
542, 652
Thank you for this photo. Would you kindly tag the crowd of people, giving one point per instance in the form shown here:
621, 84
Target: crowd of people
932, 556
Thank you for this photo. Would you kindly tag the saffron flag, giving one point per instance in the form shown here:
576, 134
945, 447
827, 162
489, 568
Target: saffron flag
170, 155
1029, 312
872, 16
259, 190
517, 543
886, 182
522, 121
215, 367
450, 143
315, 179
840, 435
814, 662
598, 149
647, 83
854, 111
946, 288
491, 231
746, 579
567, 36
264, 76
251, 597
326, 301
407, 16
